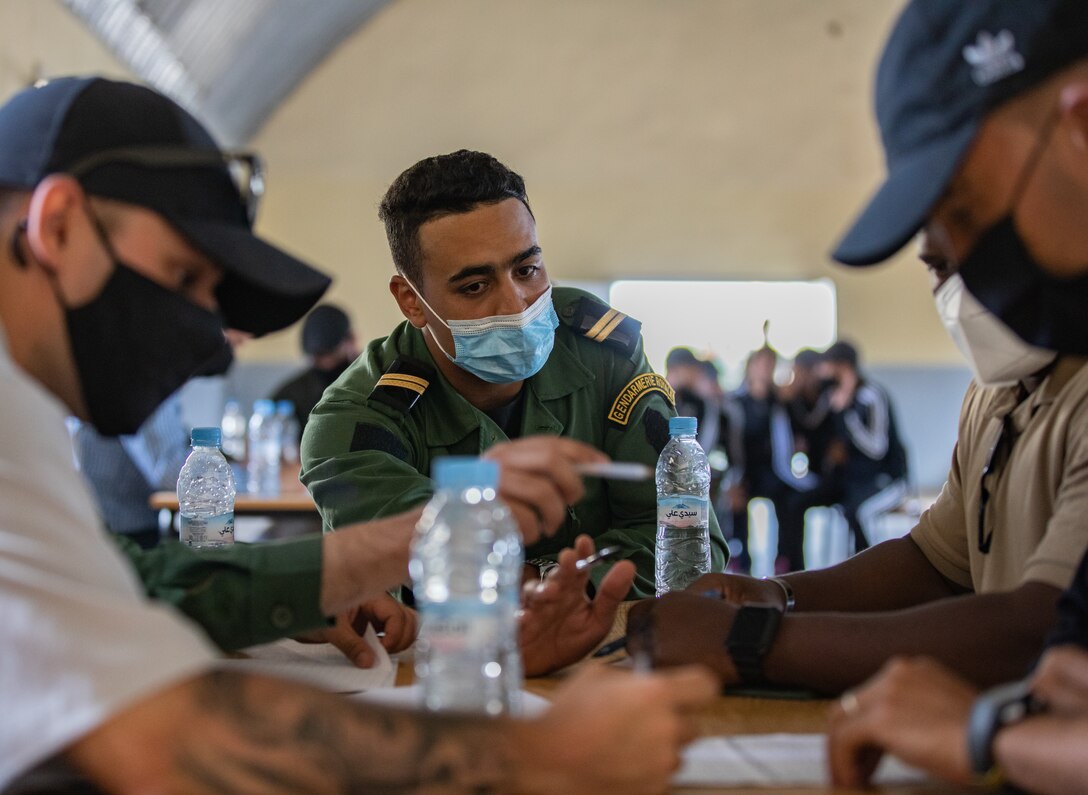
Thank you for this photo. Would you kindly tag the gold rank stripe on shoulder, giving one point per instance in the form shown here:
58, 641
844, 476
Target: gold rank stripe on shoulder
606, 325
631, 394
404, 381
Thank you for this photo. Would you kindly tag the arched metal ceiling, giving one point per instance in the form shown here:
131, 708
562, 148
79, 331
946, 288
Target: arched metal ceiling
229, 62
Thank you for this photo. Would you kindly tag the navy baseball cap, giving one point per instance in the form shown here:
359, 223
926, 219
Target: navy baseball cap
945, 67
127, 142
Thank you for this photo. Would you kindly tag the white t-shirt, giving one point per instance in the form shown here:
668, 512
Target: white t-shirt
79, 641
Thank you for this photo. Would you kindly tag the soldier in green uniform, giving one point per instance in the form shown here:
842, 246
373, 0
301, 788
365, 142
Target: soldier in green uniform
490, 351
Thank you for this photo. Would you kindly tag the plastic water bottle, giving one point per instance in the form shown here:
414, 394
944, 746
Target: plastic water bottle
683, 509
289, 432
206, 494
263, 464
466, 573
234, 431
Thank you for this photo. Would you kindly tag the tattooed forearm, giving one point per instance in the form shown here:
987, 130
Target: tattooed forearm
262, 735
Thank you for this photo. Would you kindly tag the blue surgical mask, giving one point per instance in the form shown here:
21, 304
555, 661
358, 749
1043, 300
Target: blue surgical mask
502, 349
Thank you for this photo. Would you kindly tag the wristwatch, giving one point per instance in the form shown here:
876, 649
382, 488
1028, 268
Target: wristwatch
992, 711
751, 636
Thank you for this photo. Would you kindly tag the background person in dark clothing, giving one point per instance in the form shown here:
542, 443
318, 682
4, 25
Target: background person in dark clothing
811, 466
874, 465
772, 468
699, 394
330, 345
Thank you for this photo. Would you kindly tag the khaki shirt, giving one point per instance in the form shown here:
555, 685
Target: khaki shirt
369, 445
1038, 489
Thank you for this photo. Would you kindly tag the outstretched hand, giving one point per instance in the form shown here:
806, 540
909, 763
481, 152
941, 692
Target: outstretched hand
560, 624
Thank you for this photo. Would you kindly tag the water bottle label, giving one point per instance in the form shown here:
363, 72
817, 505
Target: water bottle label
683, 511
453, 626
199, 531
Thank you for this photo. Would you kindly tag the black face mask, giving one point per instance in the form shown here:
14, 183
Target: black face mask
135, 345
336, 371
1043, 310
218, 364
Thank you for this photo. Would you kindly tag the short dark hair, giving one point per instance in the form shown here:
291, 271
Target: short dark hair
842, 352
436, 187
680, 357
806, 358
710, 370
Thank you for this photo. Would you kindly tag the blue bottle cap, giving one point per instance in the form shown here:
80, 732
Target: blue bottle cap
683, 426
456, 473
285, 407
207, 437
264, 407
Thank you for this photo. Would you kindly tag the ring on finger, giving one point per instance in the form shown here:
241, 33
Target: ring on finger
849, 703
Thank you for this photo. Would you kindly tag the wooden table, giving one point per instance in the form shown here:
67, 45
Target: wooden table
293, 498
744, 715
292, 510
735, 715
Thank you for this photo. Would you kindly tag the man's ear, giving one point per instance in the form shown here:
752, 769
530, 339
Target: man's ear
1073, 101
410, 305
57, 223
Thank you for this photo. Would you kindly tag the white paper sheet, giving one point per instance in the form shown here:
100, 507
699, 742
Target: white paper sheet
772, 760
319, 664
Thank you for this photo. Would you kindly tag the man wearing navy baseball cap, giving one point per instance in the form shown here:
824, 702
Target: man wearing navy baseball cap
983, 106
127, 244
983, 111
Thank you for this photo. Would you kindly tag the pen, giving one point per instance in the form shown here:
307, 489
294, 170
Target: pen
616, 470
611, 648
597, 558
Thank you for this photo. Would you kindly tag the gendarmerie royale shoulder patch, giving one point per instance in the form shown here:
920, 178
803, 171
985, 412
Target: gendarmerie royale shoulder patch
636, 389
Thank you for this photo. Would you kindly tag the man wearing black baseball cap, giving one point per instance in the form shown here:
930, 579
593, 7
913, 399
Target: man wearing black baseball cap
330, 345
127, 245
983, 110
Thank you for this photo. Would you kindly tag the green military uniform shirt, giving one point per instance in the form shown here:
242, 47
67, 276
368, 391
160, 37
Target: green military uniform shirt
240, 595
369, 444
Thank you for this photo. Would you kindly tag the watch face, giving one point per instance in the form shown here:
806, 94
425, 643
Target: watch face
1014, 711
755, 626
752, 634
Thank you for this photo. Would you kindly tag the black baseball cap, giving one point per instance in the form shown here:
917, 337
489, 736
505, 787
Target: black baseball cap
324, 329
945, 67
127, 142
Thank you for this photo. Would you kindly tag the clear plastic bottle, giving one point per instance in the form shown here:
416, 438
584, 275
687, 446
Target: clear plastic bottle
234, 431
683, 509
263, 464
289, 433
466, 573
206, 494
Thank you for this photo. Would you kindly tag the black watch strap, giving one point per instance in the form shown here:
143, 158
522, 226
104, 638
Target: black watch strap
754, 630
992, 711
